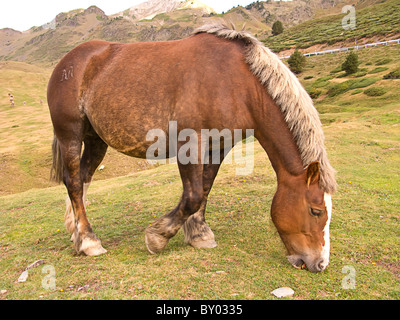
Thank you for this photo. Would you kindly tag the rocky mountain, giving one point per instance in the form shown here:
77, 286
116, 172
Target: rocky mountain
149, 9
155, 20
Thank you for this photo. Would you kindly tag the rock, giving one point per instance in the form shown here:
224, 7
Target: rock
84, 288
23, 277
35, 264
3, 291
283, 292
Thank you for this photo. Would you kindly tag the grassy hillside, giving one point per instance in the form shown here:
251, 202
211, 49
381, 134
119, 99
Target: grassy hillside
363, 142
377, 20
26, 132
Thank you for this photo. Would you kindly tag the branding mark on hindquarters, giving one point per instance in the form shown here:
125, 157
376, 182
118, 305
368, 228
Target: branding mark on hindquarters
67, 74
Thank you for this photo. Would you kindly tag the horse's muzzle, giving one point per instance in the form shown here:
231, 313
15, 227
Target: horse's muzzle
314, 266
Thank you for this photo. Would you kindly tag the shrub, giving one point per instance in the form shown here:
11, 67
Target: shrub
277, 28
297, 62
360, 73
341, 75
308, 77
383, 61
362, 83
375, 91
313, 92
379, 69
356, 91
321, 82
339, 88
350, 65
392, 75
337, 69
350, 84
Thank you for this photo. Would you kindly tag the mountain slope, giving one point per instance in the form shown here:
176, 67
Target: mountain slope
306, 23
150, 8
381, 19
47, 45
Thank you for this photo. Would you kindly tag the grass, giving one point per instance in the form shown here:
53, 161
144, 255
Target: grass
379, 19
363, 142
343, 87
250, 254
375, 91
378, 70
334, 91
395, 74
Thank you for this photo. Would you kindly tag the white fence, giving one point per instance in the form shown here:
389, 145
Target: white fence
363, 46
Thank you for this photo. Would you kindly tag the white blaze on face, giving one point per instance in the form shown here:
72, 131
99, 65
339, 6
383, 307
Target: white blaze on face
326, 247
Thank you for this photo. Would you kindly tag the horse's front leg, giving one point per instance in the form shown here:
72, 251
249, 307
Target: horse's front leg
158, 233
197, 232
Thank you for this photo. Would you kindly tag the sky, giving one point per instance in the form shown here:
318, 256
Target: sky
23, 14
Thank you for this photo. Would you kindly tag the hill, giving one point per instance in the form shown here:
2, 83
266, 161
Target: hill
26, 132
158, 20
149, 9
373, 22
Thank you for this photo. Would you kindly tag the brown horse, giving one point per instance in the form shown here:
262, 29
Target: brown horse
110, 94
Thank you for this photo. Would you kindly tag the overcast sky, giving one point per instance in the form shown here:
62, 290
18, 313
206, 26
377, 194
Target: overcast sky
23, 14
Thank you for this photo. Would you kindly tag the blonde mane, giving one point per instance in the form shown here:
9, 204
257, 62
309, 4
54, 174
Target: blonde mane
296, 105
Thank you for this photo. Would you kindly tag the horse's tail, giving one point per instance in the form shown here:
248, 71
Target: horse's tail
57, 169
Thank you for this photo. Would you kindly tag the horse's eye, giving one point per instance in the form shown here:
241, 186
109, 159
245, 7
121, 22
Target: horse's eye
316, 212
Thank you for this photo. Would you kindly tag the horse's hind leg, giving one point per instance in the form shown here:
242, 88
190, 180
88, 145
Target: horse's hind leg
94, 152
77, 176
197, 232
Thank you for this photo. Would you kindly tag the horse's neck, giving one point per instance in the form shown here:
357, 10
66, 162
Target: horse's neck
277, 140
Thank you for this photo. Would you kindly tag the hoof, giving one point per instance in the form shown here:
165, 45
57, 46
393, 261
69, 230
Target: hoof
203, 244
155, 242
91, 246
197, 232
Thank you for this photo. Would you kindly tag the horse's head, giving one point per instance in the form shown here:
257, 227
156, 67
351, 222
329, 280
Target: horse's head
301, 212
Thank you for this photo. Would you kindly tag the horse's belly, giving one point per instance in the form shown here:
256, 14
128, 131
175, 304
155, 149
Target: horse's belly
131, 134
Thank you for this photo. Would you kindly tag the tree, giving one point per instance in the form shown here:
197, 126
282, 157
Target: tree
277, 28
351, 63
297, 61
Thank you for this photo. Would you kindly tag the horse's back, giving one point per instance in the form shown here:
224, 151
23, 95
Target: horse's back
170, 76
125, 90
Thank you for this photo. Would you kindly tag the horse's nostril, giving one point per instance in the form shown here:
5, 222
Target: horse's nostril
321, 266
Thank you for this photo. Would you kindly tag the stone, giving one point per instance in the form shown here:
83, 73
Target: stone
35, 264
23, 277
283, 292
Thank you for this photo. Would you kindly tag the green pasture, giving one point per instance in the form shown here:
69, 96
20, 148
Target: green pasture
363, 143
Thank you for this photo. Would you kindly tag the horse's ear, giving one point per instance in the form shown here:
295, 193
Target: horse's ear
313, 173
